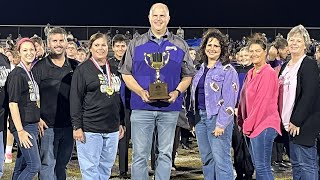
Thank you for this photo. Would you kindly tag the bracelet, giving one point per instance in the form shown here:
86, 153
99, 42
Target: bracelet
20, 130
179, 92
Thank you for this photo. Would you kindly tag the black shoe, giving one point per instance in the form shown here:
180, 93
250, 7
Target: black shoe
123, 175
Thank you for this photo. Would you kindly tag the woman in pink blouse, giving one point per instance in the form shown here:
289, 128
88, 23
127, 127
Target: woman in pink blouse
258, 108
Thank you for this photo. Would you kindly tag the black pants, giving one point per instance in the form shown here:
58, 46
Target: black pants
124, 144
242, 159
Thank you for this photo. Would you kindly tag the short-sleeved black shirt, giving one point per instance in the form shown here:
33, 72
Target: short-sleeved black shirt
19, 88
54, 84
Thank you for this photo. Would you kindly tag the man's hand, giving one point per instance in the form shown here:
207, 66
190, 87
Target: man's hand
173, 96
78, 135
218, 131
122, 130
41, 127
144, 94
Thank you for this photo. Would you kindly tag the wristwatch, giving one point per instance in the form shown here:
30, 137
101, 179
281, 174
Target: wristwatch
179, 92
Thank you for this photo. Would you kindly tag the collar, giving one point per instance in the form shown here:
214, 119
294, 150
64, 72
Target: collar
151, 36
51, 64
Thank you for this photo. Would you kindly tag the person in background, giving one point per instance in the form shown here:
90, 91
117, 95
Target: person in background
40, 47
242, 160
95, 111
214, 94
299, 104
258, 114
71, 50
24, 104
81, 54
119, 47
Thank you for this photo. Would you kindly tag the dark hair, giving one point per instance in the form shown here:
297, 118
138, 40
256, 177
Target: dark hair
118, 38
280, 43
37, 39
94, 37
258, 38
214, 33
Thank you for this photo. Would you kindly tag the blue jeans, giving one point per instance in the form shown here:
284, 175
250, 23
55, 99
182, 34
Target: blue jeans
1, 154
55, 151
215, 151
304, 162
143, 123
261, 150
28, 160
97, 155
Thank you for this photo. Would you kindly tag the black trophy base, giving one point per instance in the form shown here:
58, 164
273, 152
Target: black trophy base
158, 91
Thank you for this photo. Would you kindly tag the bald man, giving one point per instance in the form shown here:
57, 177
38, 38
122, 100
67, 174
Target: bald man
147, 114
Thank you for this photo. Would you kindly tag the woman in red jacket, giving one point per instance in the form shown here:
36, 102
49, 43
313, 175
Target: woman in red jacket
258, 108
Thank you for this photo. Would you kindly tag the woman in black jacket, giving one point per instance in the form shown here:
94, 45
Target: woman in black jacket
299, 104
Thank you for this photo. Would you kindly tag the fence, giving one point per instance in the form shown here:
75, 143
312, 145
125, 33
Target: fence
84, 32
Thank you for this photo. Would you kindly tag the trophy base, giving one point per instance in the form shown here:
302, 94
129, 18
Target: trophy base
158, 91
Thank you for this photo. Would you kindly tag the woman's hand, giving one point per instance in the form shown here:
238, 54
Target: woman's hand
24, 139
293, 130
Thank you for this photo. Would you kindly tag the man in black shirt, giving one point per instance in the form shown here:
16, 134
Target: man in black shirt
119, 47
54, 74
4, 71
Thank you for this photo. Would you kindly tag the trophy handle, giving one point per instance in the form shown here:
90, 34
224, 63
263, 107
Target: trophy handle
168, 57
146, 61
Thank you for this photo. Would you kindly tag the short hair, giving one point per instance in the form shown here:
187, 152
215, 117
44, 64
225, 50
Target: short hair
57, 30
280, 43
157, 4
191, 49
214, 33
300, 29
118, 38
72, 43
82, 49
37, 39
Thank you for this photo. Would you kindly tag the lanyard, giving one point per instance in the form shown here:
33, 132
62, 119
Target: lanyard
34, 83
108, 75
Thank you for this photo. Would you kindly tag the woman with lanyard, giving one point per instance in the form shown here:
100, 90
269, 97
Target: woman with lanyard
95, 111
24, 104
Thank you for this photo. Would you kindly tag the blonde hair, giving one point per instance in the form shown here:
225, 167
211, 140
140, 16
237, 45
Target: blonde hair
300, 29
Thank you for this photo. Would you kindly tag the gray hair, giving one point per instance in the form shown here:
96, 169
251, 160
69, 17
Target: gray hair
157, 5
300, 29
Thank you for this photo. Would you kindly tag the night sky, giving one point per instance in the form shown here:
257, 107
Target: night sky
195, 13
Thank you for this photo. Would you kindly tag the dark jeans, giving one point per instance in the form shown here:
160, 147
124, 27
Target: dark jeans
28, 160
55, 151
304, 162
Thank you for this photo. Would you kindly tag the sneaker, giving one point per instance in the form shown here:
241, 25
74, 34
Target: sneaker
8, 158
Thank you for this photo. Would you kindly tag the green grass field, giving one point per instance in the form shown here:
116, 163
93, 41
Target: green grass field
188, 167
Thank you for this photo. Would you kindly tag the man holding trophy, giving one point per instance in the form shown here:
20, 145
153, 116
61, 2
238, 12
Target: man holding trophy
157, 69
